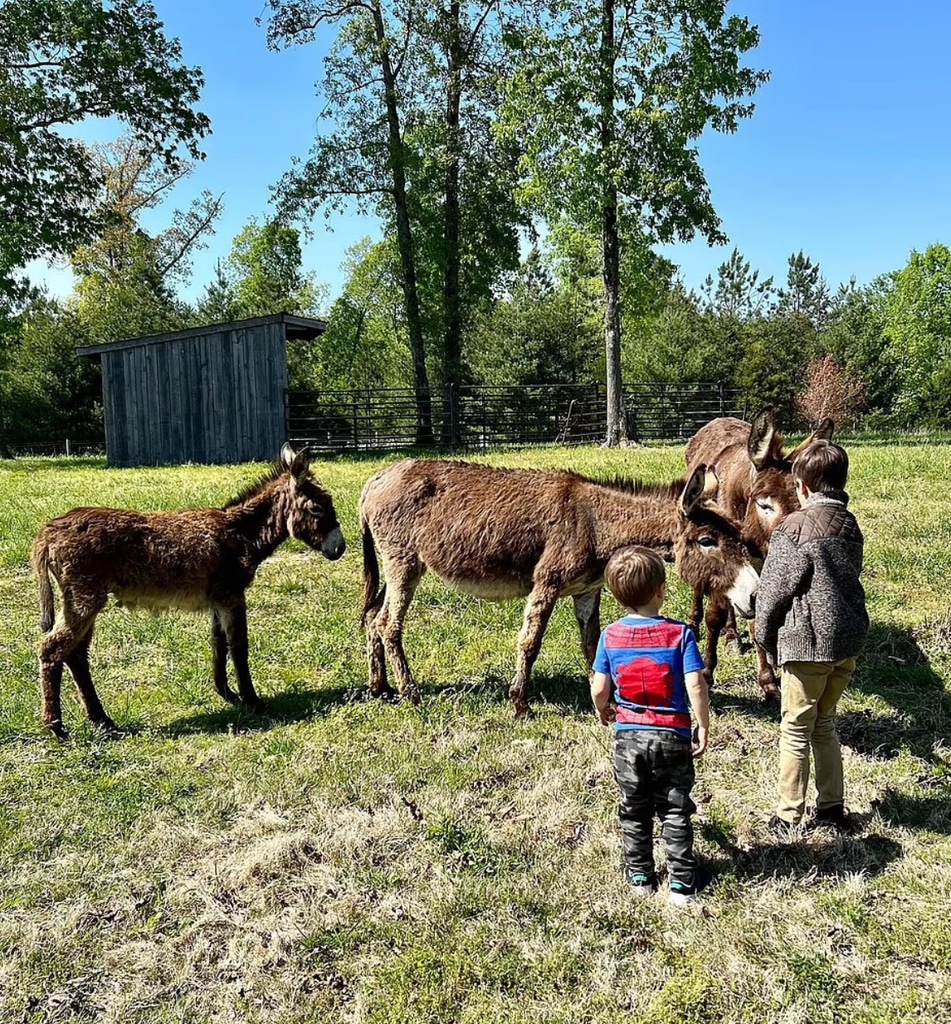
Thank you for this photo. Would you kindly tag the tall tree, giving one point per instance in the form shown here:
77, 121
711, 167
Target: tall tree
63, 61
266, 272
621, 156
364, 161
918, 327
126, 275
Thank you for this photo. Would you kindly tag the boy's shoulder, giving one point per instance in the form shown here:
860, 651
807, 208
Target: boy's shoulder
635, 631
820, 521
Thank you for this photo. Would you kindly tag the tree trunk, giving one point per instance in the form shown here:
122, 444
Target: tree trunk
616, 421
452, 307
404, 236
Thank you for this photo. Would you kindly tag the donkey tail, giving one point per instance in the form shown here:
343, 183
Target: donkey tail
41, 566
372, 594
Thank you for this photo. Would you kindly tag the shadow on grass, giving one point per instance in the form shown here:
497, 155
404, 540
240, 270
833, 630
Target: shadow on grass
283, 709
931, 813
822, 852
835, 857
895, 667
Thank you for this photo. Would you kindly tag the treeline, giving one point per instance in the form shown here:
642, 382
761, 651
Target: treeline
525, 160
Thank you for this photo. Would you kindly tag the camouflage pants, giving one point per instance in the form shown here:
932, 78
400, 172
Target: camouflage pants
654, 770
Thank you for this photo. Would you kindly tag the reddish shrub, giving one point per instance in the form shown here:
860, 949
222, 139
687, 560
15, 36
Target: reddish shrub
831, 391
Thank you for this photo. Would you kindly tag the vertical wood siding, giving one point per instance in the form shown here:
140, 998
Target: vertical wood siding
214, 398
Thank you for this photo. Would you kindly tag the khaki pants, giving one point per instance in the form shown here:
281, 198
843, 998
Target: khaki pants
811, 690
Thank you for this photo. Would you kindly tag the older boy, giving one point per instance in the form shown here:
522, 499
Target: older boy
811, 619
652, 668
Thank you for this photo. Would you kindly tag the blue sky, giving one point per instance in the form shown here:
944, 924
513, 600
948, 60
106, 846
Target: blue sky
847, 156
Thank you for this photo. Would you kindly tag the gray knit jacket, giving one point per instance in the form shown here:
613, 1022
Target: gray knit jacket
810, 605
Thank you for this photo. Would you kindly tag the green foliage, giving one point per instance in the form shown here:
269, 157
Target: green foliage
365, 345
63, 61
265, 263
918, 328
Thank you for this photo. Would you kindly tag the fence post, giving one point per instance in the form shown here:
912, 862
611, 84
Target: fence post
722, 407
67, 447
356, 442
453, 417
485, 438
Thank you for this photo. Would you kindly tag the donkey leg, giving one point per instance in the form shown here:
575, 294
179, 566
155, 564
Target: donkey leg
730, 633
401, 586
235, 621
766, 677
73, 623
588, 614
78, 662
538, 609
696, 613
376, 658
219, 656
714, 620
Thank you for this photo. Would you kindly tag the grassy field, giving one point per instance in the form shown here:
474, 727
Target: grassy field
347, 860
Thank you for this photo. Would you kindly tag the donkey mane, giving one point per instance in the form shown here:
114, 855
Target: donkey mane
275, 470
631, 485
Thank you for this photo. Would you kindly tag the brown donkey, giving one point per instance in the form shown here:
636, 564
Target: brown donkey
540, 534
194, 559
756, 491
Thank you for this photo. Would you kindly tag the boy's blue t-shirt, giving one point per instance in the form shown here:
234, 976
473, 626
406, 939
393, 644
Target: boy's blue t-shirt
647, 659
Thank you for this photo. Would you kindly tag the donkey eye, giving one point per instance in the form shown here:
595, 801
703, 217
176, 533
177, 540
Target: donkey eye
764, 506
707, 542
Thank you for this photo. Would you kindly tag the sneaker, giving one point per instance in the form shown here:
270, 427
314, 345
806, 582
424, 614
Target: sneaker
640, 884
683, 895
835, 815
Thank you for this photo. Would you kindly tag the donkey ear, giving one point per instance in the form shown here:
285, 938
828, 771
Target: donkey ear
711, 485
762, 432
287, 455
297, 463
823, 432
694, 491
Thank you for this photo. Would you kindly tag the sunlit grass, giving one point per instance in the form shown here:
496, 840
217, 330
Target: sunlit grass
354, 861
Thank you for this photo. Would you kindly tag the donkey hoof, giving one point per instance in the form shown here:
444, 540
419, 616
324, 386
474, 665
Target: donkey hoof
523, 713
256, 706
771, 690
107, 726
385, 693
413, 697
58, 730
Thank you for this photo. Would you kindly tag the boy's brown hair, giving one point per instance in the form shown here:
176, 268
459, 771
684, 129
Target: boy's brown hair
822, 467
634, 575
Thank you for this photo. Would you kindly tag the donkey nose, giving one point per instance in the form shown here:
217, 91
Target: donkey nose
334, 546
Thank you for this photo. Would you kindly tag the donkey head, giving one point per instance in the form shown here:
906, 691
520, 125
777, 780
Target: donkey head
772, 490
710, 554
311, 516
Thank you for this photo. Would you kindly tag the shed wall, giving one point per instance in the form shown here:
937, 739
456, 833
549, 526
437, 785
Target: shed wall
213, 398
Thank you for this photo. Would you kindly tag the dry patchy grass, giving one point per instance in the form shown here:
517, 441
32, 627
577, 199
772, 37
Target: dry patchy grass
345, 860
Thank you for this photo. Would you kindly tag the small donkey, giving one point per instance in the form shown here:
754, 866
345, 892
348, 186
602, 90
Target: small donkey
193, 559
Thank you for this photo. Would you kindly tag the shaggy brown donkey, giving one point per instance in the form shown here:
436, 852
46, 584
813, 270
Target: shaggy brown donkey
756, 490
194, 559
508, 533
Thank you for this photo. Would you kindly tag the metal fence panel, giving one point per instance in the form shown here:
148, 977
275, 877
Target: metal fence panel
497, 415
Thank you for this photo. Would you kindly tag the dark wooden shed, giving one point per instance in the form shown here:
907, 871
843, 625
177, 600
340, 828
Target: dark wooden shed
210, 394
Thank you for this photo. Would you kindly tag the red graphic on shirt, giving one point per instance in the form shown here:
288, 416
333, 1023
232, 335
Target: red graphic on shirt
657, 634
646, 682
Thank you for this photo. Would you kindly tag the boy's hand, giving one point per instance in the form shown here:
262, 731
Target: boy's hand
607, 714
699, 743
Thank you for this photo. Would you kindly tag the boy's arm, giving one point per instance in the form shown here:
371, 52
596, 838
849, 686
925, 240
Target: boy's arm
784, 574
700, 706
601, 696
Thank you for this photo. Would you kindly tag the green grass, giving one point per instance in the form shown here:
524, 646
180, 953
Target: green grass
345, 860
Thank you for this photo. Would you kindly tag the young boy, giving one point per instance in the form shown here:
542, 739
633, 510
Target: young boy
651, 667
811, 620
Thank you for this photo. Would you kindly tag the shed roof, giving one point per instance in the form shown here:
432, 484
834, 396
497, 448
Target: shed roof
297, 328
